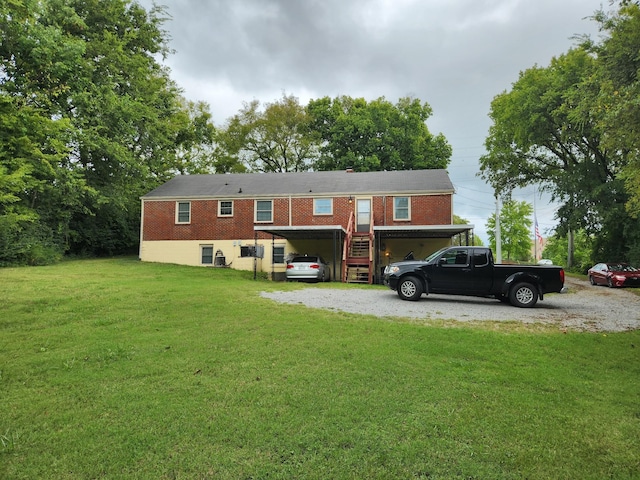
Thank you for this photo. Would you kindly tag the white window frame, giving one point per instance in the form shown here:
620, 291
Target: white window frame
395, 209
220, 214
316, 205
178, 203
273, 254
213, 255
256, 211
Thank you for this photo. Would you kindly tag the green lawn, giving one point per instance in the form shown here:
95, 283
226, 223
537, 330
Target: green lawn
120, 369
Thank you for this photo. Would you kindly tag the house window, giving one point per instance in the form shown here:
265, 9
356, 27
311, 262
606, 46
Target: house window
278, 254
206, 254
401, 209
322, 206
264, 210
183, 212
225, 208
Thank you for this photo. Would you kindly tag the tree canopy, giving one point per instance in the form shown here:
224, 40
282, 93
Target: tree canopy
274, 140
556, 249
616, 104
376, 135
333, 134
91, 121
563, 127
515, 230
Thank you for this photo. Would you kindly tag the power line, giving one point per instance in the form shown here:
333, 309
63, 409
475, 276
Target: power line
472, 189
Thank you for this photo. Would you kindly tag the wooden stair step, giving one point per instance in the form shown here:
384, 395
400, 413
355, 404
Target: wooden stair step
359, 249
357, 274
358, 262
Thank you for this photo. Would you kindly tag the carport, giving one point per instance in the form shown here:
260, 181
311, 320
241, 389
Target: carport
333, 233
382, 233
336, 234
425, 231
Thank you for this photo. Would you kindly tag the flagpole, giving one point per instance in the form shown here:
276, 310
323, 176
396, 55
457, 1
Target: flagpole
535, 227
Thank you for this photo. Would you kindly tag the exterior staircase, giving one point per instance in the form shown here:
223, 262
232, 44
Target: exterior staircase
357, 256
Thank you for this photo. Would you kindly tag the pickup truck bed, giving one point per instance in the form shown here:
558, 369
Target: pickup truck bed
471, 271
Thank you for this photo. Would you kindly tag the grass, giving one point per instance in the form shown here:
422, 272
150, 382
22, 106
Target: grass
121, 369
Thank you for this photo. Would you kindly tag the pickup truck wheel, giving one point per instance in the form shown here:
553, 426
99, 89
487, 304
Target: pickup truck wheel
523, 295
410, 288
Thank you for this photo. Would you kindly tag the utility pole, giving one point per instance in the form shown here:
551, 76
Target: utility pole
498, 239
570, 233
570, 248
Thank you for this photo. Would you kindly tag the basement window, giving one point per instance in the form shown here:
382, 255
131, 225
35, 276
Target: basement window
206, 254
278, 254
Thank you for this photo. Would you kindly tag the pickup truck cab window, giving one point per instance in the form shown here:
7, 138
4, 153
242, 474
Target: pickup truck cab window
480, 258
455, 258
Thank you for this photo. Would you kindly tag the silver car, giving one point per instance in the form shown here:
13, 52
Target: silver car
308, 268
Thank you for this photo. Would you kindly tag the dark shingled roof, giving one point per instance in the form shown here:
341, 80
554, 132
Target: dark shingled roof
239, 185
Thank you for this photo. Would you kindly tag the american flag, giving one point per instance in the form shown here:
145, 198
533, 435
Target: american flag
538, 236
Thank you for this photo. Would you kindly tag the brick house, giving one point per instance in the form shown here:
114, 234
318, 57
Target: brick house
359, 222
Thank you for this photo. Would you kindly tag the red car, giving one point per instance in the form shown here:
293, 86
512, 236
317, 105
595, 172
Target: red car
614, 275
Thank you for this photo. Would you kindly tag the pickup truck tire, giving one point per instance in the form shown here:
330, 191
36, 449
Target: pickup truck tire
410, 288
523, 295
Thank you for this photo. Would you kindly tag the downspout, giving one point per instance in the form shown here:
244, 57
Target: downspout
141, 228
384, 210
335, 248
255, 256
290, 213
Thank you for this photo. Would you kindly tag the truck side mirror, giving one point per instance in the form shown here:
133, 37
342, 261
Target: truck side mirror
442, 261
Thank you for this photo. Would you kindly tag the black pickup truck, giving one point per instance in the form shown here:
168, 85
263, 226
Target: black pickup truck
471, 271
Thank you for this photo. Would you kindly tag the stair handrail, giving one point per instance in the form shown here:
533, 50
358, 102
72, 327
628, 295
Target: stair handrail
345, 248
371, 251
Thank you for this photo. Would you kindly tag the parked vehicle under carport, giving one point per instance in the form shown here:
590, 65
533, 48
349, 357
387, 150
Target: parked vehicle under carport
308, 268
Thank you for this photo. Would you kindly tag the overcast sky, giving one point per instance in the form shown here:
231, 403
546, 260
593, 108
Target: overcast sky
456, 55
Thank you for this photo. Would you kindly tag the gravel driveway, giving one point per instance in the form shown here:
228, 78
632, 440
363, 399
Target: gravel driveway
584, 308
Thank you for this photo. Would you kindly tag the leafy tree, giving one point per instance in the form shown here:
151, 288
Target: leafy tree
614, 107
41, 189
556, 249
515, 230
30, 157
195, 139
376, 135
274, 140
546, 131
534, 140
96, 117
616, 104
